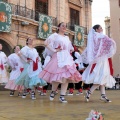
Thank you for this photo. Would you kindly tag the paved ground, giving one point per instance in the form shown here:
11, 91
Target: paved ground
16, 108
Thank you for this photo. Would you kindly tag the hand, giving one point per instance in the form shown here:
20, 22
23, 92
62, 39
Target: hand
28, 61
58, 50
19, 53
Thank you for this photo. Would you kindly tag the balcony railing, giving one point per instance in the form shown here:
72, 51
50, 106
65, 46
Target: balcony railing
31, 14
70, 26
28, 13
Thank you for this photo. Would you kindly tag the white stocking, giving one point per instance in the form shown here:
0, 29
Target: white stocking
94, 87
54, 86
64, 88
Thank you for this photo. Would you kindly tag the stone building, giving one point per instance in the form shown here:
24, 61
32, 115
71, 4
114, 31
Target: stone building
107, 26
25, 20
115, 32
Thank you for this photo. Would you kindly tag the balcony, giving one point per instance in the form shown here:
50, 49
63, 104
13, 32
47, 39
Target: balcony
28, 13
34, 15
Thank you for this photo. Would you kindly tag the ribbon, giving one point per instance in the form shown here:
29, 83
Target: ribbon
35, 64
2, 67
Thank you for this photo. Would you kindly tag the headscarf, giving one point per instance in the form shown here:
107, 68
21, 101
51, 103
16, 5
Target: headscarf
99, 46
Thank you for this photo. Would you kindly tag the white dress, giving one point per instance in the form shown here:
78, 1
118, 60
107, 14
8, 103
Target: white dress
29, 76
61, 67
99, 49
3, 72
17, 67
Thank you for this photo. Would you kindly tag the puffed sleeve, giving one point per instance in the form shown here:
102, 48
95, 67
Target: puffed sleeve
11, 61
5, 59
50, 43
24, 54
24, 51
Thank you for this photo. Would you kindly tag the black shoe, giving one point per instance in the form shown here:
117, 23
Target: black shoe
62, 99
104, 98
24, 95
12, 93
88, 93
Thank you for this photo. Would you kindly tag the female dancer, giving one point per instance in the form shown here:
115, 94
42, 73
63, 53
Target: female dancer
29, 76
99, 48
61, 68
3, 64
17, 67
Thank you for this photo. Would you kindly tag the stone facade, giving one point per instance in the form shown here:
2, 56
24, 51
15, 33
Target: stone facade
107, 26
59, 9
115, 31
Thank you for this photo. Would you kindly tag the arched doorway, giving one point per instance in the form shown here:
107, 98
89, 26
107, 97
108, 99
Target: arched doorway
40, 50
6, 47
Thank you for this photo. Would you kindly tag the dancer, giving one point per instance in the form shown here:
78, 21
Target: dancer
80, 67
3, 64
17, 67
29, 76
61, 68
99, 48
78, 61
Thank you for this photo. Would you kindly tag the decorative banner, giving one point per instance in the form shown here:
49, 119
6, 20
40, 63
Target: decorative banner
79, 36
45, 26
5, 17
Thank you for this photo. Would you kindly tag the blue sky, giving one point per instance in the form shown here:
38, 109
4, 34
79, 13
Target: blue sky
100, 9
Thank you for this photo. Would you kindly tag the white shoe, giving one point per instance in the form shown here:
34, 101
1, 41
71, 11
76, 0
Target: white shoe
43, 94
79, 93
52, 95
24, 96
62, 99
33, 95
51, 98
70, 94
33, 98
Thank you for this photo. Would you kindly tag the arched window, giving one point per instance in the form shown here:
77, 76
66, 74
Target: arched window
41, 6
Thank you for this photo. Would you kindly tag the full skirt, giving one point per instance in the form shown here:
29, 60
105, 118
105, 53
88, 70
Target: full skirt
99, 75
53, 73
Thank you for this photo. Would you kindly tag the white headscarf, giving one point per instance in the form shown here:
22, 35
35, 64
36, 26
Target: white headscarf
99, 46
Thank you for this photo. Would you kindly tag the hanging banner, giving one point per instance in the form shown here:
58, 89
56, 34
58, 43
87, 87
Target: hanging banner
5, 17
79, 36
45, 26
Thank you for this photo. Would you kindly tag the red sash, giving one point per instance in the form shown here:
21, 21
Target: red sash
93, 66
35, 64
110, 66
1, 67
21, 69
